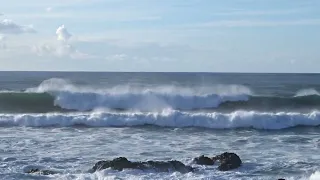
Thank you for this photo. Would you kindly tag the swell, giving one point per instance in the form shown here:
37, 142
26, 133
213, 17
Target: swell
27, 102
274, 103
21, 102
178, 119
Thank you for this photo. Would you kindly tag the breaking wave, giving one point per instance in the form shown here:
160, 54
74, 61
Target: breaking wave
167, 118
59, 95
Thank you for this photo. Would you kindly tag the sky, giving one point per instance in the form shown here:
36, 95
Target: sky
160, 35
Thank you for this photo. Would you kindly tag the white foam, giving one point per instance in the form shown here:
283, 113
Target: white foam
169, 118
8, 91
69, 96
315, 176
307, 92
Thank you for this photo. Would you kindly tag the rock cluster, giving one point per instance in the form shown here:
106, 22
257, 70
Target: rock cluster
227, 161
161, 166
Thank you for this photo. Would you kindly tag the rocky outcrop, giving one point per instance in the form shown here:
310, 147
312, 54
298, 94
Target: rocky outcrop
161, 166
203, 160
41, 172
227, 161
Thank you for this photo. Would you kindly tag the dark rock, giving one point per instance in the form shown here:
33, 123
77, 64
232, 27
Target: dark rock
203, 160
166, 166
281, 179
228, 161
41, 172
119, 164
161, 166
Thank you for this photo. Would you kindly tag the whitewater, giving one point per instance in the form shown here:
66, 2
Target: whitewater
67, 121
168, 118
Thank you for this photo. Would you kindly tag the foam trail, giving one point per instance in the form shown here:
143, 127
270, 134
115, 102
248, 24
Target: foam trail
169, 118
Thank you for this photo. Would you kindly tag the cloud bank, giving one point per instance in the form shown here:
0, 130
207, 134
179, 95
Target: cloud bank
9, 27
62, 48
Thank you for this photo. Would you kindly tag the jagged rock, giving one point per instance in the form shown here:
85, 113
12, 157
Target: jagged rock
161, 166
228, 161
119, 164
167, 166
203, 160
41, 172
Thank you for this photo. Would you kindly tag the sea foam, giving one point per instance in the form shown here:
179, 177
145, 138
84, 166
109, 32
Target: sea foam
168, 118
315, 176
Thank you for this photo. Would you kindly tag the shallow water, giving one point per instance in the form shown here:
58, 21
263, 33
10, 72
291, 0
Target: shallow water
72, 151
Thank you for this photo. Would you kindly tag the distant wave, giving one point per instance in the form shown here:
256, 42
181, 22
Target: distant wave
307, 92
169, 118
69, 96
58, 95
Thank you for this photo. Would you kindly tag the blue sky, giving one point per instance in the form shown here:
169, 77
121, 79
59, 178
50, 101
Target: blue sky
161, 35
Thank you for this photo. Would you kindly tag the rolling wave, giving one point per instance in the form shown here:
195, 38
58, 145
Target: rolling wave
58, 95
19, 102
169, 118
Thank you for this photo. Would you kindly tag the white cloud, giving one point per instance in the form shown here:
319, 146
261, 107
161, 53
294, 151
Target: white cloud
63, 34
2, 37
117, 57
139, 59
60, 51
9, 27
60, 48
292, 61
2, 42
49, 9
3, 46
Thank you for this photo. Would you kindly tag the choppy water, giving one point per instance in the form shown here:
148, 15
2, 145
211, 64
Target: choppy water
68, 121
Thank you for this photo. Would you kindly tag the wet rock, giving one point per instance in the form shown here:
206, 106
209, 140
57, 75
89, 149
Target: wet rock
167, 166
41, 172
203, 160
119, 164
161, 166
228, 161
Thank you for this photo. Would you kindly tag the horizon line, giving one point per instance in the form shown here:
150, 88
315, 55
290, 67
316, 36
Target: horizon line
205, 72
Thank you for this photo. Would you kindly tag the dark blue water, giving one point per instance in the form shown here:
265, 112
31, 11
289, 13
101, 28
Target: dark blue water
264, 84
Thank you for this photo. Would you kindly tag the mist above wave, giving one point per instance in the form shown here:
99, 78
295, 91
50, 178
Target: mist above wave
70, 96
307, 92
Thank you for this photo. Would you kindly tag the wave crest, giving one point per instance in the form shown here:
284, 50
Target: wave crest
307, 92
83, 98
61, 95
168, 118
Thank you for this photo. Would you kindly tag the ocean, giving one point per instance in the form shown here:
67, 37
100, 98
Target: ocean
67, 121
